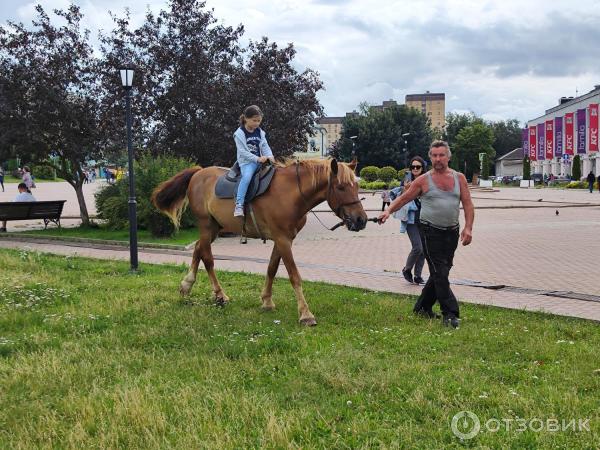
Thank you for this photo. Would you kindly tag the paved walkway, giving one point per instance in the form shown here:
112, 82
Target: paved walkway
543, 258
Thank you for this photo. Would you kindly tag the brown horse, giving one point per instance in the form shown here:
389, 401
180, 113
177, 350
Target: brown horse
280, 213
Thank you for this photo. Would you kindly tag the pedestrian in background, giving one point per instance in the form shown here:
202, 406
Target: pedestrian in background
385, 199
590, 179
27, 178
409, 216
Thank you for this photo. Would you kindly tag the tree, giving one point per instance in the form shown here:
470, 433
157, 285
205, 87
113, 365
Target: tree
380, 140
485, 167
470, 141
507, 136
49, 97
455, 122
526, 168
576, 168
195, 80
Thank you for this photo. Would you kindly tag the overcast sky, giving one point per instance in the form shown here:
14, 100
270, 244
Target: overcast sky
500, 59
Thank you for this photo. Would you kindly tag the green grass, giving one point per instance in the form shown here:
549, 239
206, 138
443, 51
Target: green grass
183, 237
94, 357
11, 179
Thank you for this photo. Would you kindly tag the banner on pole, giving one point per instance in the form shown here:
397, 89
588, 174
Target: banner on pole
532, 144
541, 137
569, 138
549, 139
593, 127
558, 137
581, 131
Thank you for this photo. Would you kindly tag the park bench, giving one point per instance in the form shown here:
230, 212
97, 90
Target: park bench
48, 211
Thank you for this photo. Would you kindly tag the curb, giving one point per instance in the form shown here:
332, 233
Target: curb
26, 237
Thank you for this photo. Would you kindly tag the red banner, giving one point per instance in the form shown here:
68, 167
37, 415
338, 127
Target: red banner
532, 144
549, 139
593, 130
569, 138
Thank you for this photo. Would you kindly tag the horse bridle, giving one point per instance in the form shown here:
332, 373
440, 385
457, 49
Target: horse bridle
338, 210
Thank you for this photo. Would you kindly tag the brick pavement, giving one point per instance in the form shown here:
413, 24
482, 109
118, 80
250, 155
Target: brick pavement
529, 248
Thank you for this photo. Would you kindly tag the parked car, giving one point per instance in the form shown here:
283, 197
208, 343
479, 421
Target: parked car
537, 177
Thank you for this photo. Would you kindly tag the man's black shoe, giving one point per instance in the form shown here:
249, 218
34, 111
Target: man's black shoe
407, 275
451, 321
418, 280
427, 314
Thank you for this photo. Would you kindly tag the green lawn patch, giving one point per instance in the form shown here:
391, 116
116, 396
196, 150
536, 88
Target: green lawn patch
94, 357
11, 179
183, 237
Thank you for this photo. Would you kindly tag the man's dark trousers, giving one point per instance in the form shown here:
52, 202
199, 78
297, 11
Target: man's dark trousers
439, 247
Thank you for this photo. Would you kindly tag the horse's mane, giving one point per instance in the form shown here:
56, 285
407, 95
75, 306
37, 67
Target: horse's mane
322, 167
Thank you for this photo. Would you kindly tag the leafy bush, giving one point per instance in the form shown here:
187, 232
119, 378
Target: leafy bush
393, 184
11, 165
402, 173
369, 173
112, 201
577, 185
387, 174
373, 185
43, 172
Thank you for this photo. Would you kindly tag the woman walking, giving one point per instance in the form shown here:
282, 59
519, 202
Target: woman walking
409, 216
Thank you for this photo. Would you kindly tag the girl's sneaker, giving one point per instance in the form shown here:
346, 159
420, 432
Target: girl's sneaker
238, 211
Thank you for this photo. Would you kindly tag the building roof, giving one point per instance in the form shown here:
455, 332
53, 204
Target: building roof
329, 120
516, 154
568, 104
425, 96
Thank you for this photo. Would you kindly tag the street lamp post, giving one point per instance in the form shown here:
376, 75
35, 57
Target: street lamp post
352, 138
127, 83
322, 131
405, 158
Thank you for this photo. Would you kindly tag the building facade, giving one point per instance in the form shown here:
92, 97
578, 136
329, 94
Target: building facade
510, 164
433, 105
566, 130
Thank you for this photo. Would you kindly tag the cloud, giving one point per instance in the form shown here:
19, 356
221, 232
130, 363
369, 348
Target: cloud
504, 58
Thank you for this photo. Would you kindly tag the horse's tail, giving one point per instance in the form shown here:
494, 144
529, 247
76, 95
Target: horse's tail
170, 197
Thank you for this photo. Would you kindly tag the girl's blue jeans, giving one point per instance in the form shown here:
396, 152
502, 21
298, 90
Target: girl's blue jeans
248, 170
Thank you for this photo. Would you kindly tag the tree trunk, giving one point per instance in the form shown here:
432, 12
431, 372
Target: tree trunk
85, 217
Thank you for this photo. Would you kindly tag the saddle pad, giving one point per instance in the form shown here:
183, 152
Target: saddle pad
225, 188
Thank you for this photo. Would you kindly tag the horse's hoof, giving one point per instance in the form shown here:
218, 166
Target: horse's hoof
270, 307
221, 301
184, 292
309, 322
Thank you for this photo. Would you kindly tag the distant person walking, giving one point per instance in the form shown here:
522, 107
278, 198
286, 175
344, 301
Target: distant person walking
27, 178
409, 216
385, 199
2, 176
23, 196
590, 179
441, 191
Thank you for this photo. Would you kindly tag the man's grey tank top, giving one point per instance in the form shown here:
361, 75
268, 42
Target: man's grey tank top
440, 208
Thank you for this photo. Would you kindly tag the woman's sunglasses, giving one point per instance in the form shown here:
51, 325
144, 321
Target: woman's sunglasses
416, 167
